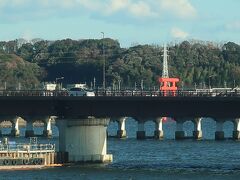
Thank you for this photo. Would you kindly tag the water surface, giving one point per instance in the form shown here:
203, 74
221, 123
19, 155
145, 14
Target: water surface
153, 159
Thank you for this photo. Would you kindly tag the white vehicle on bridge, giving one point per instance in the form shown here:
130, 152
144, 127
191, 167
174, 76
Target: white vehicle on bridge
76, 91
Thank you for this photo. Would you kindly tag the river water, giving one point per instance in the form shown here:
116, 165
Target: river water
153, 159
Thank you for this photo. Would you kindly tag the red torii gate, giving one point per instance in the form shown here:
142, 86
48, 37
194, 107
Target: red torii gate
168, 86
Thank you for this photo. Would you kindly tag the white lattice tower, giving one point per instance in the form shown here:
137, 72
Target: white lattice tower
165, 62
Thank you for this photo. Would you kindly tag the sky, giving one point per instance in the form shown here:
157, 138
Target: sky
130, 22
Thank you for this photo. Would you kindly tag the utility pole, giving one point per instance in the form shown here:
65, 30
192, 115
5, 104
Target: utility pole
165, 62
104, 68
94, 83
119, 84
113, 86
59, 86
91, 85
209, 82
142, 84
19, 86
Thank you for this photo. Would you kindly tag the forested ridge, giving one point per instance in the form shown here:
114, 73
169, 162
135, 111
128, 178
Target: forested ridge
196, 64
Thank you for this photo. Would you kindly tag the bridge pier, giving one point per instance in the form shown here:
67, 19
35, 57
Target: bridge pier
47, 132
84, 140
29, 129
158, 133
179, 133
219, 134
15, 132
0, 130
62, 154
141, 132
236, 131
121, 133
197, 133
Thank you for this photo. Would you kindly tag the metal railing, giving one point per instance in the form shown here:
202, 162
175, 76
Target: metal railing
28, 148
33, 93
179, 93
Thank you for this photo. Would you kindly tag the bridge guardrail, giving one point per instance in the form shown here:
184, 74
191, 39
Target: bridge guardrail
179, 93
27, 147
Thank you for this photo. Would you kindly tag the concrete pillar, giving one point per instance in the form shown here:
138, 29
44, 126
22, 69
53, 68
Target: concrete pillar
1, 132
47, 132
1, 129
197, 133
141, 132
84, 139
179, 134
29, 128
62, 127
219, 134
236, 131
158, 133
121, 133
15, 128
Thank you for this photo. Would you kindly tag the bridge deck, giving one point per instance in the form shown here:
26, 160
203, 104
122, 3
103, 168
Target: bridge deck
115, 106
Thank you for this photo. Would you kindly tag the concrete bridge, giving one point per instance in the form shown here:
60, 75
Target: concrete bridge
82, 121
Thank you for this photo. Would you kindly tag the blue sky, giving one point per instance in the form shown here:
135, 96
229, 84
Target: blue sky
129, 21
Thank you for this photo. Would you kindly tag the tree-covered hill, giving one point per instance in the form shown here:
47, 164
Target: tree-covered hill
196, 64
15, 73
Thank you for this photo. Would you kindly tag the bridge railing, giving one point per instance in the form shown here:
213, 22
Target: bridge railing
180, 93
27, 147
33, 93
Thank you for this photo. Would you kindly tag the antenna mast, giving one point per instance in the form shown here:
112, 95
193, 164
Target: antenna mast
165, 62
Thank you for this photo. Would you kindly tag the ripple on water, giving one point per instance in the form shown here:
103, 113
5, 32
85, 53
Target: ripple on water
168, 159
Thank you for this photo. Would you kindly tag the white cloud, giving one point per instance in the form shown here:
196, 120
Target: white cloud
13, 3
181, 8
178, 33
67, 3
19, 2
152, 8
141, 9
116, 5
233, 25
90, 4
2, 3
58, 3
135, 8
27, 34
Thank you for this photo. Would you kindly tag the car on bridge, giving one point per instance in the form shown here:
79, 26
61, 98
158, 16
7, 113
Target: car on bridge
76, 91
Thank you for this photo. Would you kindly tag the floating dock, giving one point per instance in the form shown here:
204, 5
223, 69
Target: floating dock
26, 154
